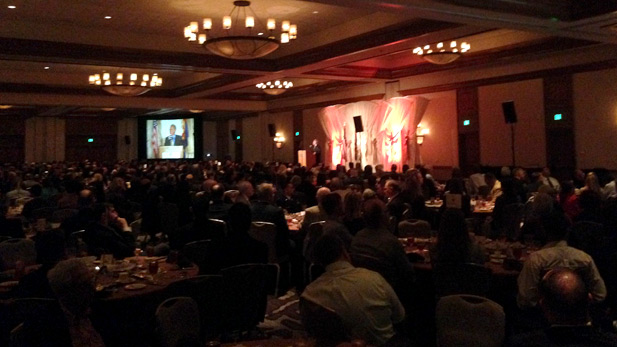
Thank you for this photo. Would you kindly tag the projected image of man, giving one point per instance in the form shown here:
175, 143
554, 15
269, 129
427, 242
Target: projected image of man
173, 139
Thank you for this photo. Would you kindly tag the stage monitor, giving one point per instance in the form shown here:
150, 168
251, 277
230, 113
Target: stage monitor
170, 138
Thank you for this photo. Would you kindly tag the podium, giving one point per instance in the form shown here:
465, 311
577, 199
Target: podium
302, 157
171, 152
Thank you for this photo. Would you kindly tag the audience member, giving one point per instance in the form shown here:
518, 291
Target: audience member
453, 242
108, 233
365, 302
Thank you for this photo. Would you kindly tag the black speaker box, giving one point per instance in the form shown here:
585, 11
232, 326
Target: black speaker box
357, 121
271, 130
509, 112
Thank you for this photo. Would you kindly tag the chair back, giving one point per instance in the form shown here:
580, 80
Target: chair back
59, 216
454, 201
414, 228
322, 323
315, 231
206, 290
244, 297
203, 254
75, 243
465, 278
468, 320
13, 250
178, 322
40, 320
266, 233
218, 229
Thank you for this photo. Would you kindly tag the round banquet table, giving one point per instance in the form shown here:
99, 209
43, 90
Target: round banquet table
125, 317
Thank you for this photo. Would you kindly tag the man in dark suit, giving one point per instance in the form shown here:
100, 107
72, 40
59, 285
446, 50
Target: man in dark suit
263, 209
173, 139
316, 151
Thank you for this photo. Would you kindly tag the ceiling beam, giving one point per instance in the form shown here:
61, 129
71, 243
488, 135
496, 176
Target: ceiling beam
128, 102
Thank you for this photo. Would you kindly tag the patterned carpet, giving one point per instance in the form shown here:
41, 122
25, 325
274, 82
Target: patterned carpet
283, 317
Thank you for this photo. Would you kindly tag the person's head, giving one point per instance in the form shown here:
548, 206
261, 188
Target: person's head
592, 182
328, 249
336, 184
457, 186
546, 172
392, 188
374, 213
172, 129
245, 188
289, 189
321, 192
239, 220
352, 205
265, 192
519, 174
590, 200
368, 194
505, 171
73, 284
315, 142
579, 175
216, 192
332, 205
564, 298
393, 168
105, 213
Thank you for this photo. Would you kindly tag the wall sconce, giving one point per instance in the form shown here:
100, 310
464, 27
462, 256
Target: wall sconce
279, 140
420, 133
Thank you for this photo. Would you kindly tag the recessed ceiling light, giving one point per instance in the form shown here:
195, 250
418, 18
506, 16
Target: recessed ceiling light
107, 17
315, 12
12, 7
46, 67
260, 34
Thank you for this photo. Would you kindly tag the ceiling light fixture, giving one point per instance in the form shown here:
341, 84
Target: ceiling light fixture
240, 39
441, 53
107, 17
12, 7
121, 87
5, 107
275, 87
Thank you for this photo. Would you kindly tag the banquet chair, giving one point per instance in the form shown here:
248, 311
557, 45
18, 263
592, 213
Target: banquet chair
39, 323
315, 230
75, 243
468, 320
204, 254
178, 322
217, 229
206, 290
464, 278
322, 323
266, 233
414, 228
244, 298
13, 250
512, 216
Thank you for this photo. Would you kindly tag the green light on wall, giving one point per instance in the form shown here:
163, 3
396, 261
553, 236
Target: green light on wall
466, 122
557, 116
90, 140
297, 133
238, 137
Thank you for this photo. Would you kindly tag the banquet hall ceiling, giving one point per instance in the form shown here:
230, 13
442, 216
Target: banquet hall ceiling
48, 48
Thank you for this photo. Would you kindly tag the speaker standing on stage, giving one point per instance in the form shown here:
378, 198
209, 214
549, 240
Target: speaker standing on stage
316, 151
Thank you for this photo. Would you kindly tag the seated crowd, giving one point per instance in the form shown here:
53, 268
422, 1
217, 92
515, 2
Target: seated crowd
351, 227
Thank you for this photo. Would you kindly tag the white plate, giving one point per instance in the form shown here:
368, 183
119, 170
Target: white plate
135, 286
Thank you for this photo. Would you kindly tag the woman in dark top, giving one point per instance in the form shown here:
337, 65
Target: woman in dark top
453, 242
240, 247
353, 213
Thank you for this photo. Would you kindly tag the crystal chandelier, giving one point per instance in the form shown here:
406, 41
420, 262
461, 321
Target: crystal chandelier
275, 87
240, 38
117, 85
441, 53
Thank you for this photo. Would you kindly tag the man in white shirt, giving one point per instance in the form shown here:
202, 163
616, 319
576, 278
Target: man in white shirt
366, 303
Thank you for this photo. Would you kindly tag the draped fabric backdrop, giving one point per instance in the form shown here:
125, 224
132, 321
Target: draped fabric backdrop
389, 135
